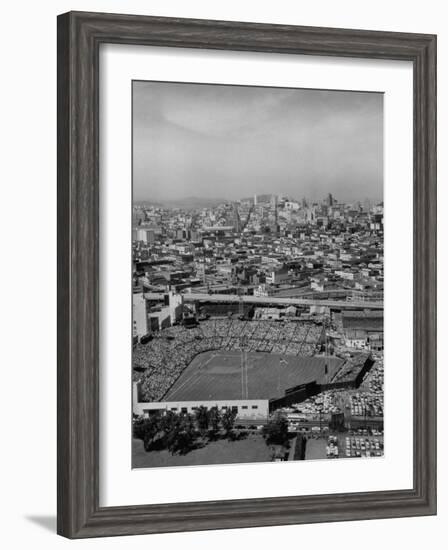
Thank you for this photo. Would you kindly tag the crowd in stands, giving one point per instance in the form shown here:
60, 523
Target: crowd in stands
158, 363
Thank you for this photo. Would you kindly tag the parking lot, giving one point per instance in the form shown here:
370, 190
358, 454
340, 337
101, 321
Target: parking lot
360, 443
356, 444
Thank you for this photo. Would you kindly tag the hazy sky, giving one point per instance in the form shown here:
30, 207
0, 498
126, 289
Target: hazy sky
233, 141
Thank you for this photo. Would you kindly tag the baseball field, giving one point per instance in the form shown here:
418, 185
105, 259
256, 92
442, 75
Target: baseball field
234, 375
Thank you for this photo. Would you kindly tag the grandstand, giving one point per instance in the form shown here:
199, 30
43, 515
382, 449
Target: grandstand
161, 361
225, 310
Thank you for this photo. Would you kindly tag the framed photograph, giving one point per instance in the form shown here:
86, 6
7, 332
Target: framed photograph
246, 274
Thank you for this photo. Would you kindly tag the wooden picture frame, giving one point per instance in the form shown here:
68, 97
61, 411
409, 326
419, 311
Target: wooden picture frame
79, 38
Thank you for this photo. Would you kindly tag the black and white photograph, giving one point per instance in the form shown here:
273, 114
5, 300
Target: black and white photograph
257, 274
220, 227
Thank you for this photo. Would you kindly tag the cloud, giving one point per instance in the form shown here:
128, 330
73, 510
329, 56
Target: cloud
233, 141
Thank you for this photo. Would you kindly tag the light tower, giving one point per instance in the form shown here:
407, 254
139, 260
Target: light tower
244, 377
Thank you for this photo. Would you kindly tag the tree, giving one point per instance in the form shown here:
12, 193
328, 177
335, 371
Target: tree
147, 429
276, 430
202, 419
138, 429
188, 426
152, 432
214, 419
228, 420
169, 425
181, 437
167, 421
184, 442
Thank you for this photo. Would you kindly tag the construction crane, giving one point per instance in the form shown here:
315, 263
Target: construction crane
240, 293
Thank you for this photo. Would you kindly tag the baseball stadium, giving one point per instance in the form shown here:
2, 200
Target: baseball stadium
251, 366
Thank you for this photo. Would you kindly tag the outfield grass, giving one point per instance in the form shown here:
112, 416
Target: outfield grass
223, 451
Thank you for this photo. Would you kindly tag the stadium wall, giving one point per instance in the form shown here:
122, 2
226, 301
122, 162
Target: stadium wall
256, 409
304, 391
297, 395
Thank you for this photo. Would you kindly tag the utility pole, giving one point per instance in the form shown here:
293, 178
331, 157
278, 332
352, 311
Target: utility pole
245, 389
320, 420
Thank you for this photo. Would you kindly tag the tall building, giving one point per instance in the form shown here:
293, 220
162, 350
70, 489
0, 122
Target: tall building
146, 235
140, 322
274, 206
255, 200
175, 302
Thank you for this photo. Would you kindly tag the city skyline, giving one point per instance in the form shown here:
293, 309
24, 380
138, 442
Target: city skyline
218, 200
231, 142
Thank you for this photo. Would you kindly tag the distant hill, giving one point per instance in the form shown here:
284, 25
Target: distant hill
186, 202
